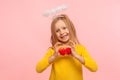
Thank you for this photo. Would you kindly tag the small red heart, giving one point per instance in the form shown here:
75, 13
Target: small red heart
62, 51
68, 50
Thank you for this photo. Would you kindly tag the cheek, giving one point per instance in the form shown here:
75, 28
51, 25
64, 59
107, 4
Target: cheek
67, 31
57, 34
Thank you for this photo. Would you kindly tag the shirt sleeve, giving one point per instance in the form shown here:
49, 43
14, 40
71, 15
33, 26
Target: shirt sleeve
43, 64
89, 61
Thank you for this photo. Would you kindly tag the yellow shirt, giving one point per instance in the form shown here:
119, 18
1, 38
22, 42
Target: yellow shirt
67, 67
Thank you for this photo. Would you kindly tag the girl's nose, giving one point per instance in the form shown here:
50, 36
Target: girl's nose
62, 31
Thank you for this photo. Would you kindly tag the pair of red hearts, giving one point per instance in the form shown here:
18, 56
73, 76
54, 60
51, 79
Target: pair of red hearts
64, 51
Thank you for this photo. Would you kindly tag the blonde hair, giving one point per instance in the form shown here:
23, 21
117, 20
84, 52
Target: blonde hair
70, 26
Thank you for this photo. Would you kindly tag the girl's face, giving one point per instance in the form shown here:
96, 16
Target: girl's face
61, 31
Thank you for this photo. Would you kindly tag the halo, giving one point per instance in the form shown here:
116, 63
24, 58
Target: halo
55, 10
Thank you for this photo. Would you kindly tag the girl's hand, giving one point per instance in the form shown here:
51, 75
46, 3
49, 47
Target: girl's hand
73, 52
56, 53
56, 48
71, 45
75, 55
59, 45
61, 49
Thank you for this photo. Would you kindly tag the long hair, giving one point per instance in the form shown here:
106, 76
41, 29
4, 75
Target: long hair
70, 26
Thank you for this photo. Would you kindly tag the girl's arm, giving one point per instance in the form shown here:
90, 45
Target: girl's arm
44, 63
78, 57
84, 57
52, 58
56, 53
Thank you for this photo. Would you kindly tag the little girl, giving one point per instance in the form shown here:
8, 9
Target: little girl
66, 55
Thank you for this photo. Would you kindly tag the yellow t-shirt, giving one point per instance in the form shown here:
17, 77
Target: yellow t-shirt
67, 67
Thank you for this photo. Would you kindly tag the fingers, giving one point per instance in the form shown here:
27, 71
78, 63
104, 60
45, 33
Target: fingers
71, 43
56, 47
57, 44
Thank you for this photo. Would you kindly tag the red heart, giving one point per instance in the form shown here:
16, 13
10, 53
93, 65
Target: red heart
63, 51
68, 50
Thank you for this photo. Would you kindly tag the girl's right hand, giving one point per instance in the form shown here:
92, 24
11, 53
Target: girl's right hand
56, 53
56, 48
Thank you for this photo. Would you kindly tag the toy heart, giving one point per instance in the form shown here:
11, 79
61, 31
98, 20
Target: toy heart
63, 51
68, 50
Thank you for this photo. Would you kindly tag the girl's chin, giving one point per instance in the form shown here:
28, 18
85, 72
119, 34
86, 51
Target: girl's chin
64, 41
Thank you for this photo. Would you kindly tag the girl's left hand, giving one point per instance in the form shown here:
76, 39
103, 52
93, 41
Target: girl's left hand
75, 55
73, 52
72, 46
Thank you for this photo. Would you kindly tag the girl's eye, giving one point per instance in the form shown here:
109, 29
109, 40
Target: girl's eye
57, 30
64, 27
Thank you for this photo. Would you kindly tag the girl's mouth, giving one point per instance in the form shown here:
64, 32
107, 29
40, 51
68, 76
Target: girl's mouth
64, 36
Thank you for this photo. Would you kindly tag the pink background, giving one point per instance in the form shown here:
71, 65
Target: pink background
25, 36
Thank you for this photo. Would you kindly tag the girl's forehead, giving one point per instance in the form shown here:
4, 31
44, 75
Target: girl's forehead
60, 23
